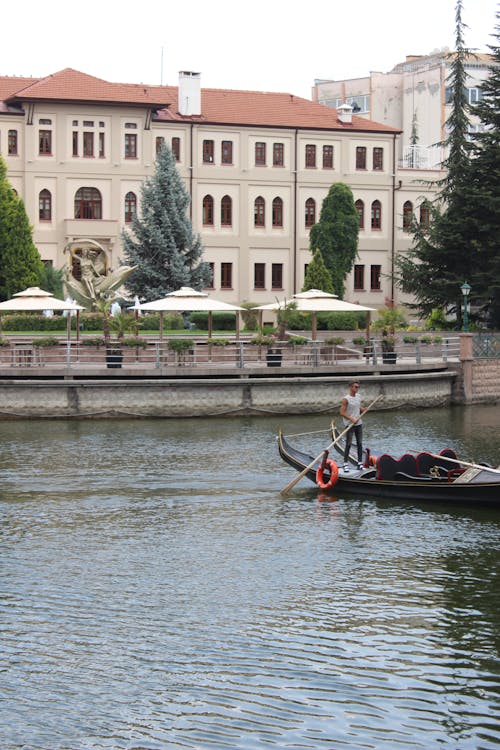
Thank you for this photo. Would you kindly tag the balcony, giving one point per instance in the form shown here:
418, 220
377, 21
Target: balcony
92, 229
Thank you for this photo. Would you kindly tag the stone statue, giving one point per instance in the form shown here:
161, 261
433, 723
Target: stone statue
88, 278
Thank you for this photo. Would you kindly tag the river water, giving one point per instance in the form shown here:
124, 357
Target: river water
159, 592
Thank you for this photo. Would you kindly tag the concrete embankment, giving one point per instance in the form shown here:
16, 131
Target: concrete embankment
177, 398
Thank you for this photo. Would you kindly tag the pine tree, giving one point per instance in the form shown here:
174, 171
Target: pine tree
336, 234
317, 275
443, 256
485, 171
162, 243
20, 262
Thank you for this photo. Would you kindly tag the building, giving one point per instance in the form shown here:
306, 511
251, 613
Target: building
413, 97
257, 166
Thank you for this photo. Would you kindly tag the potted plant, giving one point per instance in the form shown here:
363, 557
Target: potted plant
181, 347
119, 324
389, 355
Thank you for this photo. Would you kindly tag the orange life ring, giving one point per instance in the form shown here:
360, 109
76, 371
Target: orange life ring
334, 474
373, 460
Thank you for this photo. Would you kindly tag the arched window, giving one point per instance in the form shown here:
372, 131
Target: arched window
425, 214
130, 207
259, 212
45, 205
277, 212
226, 211
88, 203
360, 208
208, 211
310, 212
407, 215
376, 215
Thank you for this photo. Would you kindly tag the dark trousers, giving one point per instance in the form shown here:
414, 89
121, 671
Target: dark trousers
355, 430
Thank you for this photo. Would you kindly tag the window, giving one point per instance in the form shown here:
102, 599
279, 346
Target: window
378, 159
88, 203
425, 214
130, 207
176, 148
130, 145
75, 143
277, 212
375, 272
12, 143
310, 212
259, 276
226, 275
88, 123
88, 144
45, 122
208, 211
407, 215
278, 155
260, 154
359, 278
45, 142
277, 276
327, 157
45, 206
227, 152
310, 156
360, 208
259, 212
159, 142
376, 215
211, 280
226, 211
102, 140
360, 157
208, 152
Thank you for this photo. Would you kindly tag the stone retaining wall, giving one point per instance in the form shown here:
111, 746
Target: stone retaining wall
203, 398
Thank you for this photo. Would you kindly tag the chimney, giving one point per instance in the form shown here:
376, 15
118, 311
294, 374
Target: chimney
189, 93
344, 112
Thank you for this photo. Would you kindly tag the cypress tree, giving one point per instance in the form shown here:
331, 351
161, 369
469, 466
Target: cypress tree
20, 263
336, 234
162, 243
318, 276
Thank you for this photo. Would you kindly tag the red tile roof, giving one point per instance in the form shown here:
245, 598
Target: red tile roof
219, 106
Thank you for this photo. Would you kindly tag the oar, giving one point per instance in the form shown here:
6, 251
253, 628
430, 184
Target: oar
304, 471
457, 461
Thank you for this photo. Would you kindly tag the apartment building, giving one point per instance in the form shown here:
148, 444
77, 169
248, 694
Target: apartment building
415, 97
257, 166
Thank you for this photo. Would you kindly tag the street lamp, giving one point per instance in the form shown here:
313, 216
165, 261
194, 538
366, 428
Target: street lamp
465, 289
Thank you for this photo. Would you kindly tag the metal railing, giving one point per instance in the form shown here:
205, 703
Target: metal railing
234, 354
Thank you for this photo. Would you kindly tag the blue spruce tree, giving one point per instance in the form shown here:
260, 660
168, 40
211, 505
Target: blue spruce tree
162, 243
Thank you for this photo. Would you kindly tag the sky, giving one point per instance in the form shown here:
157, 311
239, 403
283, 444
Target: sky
265, 45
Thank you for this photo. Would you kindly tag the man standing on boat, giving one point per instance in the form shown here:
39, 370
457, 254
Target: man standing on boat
351, 411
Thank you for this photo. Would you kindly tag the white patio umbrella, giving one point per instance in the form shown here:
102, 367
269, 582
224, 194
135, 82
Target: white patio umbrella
314, 301
186, 299
34, 299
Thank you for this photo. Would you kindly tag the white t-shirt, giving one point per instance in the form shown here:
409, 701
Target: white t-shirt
353, 408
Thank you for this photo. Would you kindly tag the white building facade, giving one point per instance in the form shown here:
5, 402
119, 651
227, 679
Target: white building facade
257, 167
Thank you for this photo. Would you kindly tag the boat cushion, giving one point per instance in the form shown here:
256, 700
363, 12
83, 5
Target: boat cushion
388, 466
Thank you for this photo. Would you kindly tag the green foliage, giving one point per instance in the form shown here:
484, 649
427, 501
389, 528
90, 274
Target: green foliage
52, 280
437, 320
162, 243
45, 342
134, 341
390, 318
218, 342
410, 339
4, 342
317, 275
180, 345
92, 341
341, 321
250, 316
123, 323
360, 341
335, 341
221, 321
336, 234
20, 263
298, 340
426, 339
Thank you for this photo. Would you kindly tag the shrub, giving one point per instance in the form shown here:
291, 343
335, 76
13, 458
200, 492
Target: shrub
218, 342
48, 341
250, 316
410, 339
180, 345
134, 341
221, 321
4, 342
390, 318
298, 340
335, 341
92, 341
360, 341
426, 339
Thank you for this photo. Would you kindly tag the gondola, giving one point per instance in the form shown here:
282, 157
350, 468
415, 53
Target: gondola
423, 476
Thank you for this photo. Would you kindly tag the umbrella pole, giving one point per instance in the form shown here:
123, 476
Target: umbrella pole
209, 324
68, 325
237, 326
314, 326
77, 326
161, 326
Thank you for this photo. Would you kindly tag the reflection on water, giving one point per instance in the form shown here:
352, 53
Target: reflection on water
159, 592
